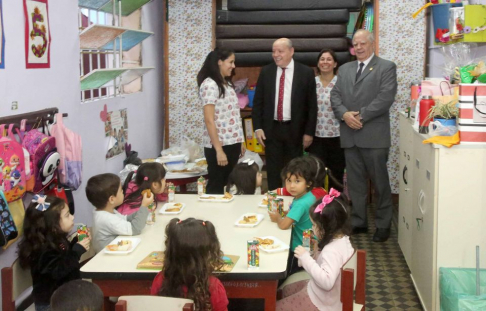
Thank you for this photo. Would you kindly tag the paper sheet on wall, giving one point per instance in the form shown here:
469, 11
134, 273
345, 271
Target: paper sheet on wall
37, 34
116, 132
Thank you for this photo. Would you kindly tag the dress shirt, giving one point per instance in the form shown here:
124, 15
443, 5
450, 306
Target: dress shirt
366, 62
289, 77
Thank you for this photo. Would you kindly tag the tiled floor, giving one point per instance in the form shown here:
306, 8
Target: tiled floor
388, 282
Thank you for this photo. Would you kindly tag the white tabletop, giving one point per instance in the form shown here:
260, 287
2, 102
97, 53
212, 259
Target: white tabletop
233, 240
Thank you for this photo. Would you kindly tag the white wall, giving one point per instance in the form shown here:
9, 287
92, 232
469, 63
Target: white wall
36, 89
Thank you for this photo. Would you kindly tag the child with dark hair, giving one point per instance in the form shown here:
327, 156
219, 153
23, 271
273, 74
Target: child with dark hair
44, 248
192, 254
245, 178
330, 223
150, 176
105, 192
300, 178
318, 191
77, 295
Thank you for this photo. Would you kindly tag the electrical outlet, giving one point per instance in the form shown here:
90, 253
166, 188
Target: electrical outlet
15, 105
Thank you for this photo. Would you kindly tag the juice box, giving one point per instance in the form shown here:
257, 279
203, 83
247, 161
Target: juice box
82, 232
279, 203
151, 215
253, 254
307, 239
171, 192
270, 197
200, 185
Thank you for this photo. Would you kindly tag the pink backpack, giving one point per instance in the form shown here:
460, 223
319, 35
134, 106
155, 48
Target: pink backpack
12, 166
41, 148
69, 146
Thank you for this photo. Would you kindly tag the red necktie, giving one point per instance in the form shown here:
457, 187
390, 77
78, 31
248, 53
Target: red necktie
281, 96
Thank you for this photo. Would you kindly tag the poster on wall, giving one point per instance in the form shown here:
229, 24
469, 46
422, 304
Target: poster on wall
116, 131
2, 39
37, 34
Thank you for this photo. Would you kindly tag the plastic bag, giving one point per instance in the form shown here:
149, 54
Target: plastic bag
125, 171
458, 289
187, 147
438, 129
252, 156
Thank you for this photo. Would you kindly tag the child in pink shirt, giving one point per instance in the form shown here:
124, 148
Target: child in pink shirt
148, 176
329, 218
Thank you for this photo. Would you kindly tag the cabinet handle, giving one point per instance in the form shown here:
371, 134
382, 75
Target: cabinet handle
405, 169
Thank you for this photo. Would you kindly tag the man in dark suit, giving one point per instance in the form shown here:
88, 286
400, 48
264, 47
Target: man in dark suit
284, 109
361, 98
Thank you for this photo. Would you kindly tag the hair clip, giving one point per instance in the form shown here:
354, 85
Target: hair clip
204, 223
145, 178
328, 198
180, 220
41, 200
248, 161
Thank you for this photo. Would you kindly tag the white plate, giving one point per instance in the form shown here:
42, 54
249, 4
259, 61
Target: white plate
135, 242
281, 245
217, 198
171, 205
259, 220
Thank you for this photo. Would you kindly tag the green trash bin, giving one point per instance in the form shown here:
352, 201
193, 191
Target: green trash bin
458, 289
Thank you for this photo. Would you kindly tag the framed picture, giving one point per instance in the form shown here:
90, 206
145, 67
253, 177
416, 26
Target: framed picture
37, 34
2, 39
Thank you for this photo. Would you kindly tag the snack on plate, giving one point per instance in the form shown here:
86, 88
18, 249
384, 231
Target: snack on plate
227, 196
173, 209
264, 202
201, 162
121, 246
147, 192
179, 205
186, 170
250, 219
207, 198
265, 241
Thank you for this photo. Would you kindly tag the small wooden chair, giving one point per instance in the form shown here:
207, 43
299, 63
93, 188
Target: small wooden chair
153, 303
353, 282
15, 281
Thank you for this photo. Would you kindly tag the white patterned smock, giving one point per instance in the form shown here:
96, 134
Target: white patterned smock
327, 124
226, 113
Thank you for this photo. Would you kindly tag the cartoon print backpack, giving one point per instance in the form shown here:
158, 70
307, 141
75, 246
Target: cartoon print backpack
43, 156
12, 166
69, 146
8, 231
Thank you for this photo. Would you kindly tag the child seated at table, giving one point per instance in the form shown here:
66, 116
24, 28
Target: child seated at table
77, 295
299, 175
330, 224
105, 192
150, 176
45, 249
192, 254
318, 191
245, 178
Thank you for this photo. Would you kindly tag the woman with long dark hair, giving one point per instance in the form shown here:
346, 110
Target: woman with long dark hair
326, 144
223, 136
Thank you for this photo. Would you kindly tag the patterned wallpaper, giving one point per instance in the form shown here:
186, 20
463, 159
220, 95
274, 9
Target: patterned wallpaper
403, 44
190, 35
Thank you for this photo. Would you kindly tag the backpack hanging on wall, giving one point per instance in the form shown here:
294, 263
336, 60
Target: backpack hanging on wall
12, 166
43, 155
70, 147
8, 231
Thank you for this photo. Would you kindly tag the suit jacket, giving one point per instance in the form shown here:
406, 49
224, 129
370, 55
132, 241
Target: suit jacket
372, 95
303, 101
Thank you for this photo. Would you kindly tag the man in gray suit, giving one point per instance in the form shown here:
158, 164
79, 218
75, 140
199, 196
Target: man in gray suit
361, 98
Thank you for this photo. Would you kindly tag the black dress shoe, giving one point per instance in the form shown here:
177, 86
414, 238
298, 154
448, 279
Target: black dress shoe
358, 230
381, 235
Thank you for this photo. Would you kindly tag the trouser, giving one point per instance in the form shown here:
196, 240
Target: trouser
329, 150
218, 175
279, 150
361, 164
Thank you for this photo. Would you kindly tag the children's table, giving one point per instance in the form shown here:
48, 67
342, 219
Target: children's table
117, 275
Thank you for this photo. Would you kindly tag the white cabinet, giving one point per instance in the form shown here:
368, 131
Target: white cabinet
405, 221
445, 208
